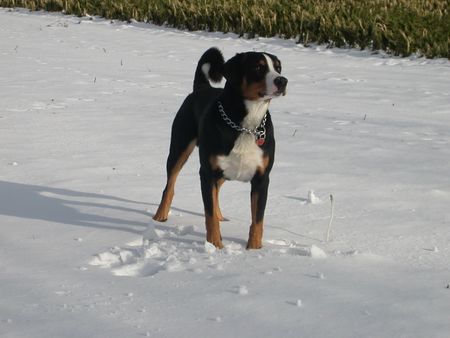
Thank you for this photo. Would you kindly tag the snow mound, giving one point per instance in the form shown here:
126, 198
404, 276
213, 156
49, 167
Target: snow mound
242, 290
312, 198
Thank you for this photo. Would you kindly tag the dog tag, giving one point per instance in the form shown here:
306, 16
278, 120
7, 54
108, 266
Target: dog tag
260, 141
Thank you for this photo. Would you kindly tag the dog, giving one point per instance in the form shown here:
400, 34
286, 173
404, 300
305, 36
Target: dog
233, 130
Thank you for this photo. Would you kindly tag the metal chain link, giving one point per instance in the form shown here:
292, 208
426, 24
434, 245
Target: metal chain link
258, 132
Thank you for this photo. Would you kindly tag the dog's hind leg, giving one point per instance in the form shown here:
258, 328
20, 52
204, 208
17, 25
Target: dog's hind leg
183, 140
175, 161
178, 155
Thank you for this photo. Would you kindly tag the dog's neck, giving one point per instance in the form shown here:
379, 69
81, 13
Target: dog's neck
255, 113
247, 113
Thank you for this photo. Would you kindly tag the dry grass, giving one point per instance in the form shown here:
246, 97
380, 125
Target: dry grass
400, 27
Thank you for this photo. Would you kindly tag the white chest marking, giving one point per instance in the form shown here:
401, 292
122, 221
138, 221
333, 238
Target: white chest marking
246, 156
243, 160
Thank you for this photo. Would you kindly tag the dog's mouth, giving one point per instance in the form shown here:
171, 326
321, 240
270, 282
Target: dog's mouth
274, 94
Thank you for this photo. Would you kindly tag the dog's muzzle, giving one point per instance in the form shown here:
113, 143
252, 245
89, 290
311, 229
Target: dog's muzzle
281, 83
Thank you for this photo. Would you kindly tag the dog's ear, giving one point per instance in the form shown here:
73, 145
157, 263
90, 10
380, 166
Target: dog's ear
231, 69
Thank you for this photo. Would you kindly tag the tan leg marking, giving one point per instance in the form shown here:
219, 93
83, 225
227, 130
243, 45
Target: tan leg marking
215, 166
265, 163
218, 212
166, 201
213, 235
256, 229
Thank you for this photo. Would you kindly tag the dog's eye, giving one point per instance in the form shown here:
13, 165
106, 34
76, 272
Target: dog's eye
258, 68
278, 69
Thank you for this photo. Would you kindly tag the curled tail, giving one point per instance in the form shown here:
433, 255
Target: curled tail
210, 67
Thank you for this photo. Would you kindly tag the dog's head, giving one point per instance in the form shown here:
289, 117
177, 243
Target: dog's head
256, 75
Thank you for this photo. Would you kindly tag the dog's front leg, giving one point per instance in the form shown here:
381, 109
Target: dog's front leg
260, 185
209, 185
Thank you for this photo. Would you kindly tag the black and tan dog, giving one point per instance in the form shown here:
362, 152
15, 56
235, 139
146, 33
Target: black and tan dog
233, 130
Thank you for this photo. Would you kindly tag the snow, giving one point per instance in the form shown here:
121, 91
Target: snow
86, 110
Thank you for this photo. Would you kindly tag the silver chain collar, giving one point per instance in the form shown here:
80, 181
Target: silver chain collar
259, 132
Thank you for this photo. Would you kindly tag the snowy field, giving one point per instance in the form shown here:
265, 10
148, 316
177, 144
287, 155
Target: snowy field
85, 113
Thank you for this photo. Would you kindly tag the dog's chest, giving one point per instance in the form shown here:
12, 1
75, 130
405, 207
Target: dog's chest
243, 160
246, 156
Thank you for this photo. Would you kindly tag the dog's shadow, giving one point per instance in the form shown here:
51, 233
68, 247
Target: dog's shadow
64, 206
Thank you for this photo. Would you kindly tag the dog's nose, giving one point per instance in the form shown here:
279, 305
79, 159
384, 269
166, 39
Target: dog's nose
281, 83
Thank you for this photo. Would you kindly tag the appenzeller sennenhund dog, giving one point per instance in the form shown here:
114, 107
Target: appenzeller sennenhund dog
234, 132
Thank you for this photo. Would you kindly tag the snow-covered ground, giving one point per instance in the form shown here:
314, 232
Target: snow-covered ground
85, 114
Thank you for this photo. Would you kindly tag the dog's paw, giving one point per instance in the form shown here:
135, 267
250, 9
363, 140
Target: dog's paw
254, 244
160, 217
216, 242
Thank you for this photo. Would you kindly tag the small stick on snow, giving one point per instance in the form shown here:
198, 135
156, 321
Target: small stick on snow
331, 218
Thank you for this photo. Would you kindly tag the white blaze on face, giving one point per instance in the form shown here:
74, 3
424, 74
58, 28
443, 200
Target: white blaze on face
270, 77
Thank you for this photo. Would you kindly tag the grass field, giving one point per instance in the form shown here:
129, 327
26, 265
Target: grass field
400, 27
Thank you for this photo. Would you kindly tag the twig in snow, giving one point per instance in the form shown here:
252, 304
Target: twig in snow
295, 132
331, 218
